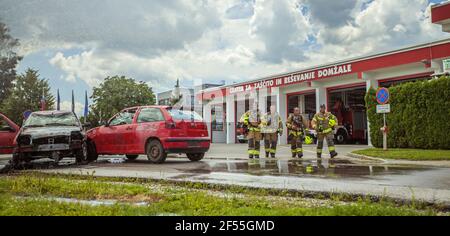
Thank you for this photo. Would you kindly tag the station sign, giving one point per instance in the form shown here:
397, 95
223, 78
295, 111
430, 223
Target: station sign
294, 78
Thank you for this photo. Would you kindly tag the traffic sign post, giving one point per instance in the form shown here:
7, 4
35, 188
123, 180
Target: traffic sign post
383, 107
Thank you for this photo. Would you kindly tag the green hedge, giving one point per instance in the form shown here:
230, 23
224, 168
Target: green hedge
419, 118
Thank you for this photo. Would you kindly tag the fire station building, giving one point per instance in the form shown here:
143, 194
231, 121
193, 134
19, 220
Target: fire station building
341, 86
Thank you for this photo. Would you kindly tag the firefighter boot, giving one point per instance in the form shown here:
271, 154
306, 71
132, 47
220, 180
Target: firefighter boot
332, 149
273, 155
300, 155
267, 154
333, 154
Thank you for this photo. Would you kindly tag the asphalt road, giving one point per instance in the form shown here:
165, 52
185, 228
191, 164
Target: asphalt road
310, 175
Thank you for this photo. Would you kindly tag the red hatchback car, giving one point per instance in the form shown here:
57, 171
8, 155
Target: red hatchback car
8, 132
151, 130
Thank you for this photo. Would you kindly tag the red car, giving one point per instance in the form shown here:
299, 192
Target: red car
8, 132
151, 130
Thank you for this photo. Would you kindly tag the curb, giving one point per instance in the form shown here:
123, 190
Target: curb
364, 157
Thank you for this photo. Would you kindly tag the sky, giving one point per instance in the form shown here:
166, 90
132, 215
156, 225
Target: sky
75, 44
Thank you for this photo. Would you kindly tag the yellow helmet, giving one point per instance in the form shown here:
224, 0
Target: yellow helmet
308, 140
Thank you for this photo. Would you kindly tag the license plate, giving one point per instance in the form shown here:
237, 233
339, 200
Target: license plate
193, 144
53, 147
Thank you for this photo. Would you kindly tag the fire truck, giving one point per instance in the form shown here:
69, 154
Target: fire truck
352, 125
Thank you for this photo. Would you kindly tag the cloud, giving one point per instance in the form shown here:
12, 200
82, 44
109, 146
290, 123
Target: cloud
282, 28
379, 25
331, 13
233, 40
85, 66
243, 9
67, 106
142, 27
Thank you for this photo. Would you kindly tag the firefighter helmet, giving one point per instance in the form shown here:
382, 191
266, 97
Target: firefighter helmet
308, 140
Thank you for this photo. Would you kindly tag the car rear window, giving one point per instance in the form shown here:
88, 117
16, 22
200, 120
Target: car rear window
184, 115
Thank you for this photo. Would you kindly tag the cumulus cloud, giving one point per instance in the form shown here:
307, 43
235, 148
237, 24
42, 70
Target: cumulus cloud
243, 9
331, 13
282, 27
142, 27
378, 26
67, 106
234, 40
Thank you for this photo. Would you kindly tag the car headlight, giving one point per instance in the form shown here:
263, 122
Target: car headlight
76, 136
24, 140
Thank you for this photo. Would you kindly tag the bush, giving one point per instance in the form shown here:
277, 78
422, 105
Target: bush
419, 118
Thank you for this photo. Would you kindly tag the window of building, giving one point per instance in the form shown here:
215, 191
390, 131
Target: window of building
218, 117
389, 83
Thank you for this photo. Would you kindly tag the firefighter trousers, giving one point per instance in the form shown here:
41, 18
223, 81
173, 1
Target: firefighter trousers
270, 143
295, 139
254, 143
329, 137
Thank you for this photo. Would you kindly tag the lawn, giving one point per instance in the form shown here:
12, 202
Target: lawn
37, 194
406, 154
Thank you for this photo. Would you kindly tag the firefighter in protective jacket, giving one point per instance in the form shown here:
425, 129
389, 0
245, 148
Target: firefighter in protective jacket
252, 120
297, 128
324, 123
271, 127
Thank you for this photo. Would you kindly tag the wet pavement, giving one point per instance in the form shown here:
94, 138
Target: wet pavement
341, 175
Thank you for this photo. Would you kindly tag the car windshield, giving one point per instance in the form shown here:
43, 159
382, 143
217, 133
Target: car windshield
58, 119
184, 115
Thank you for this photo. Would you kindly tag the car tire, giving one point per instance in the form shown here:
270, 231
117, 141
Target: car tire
132, 157
195, 156
92, 154
82, 155
341, 137
16, 161
155, 152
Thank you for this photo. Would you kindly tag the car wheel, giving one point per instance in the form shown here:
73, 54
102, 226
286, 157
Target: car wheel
82, 156
155, 152
132, 157
341, 137
195, 156
16, 161
92, 154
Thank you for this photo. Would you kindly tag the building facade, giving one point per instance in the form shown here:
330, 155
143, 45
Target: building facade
341, 86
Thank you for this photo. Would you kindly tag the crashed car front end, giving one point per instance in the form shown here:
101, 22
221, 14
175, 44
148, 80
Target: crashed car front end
50, 134
54, 145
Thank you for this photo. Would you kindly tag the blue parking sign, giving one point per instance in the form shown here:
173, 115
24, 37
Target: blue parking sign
382, 96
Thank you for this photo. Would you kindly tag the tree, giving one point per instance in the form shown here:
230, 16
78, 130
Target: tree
115, 94
26, 95
8, 61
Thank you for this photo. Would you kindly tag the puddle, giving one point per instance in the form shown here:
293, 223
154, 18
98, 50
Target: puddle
87, 202
116, 160
320, 168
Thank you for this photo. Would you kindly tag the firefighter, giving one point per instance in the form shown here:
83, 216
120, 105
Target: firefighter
297, 127
271, 127
252, 120
324, 123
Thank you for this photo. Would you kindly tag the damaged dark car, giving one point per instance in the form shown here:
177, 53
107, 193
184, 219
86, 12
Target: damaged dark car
51, 134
